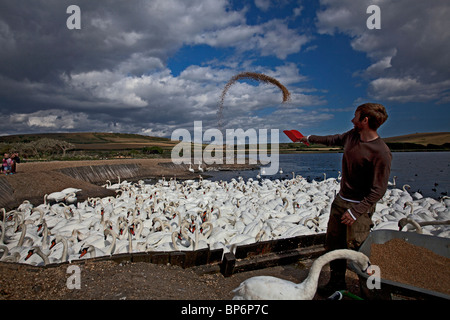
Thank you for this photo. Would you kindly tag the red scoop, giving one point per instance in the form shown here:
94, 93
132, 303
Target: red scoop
294, 135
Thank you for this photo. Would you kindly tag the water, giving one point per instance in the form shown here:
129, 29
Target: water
427, 172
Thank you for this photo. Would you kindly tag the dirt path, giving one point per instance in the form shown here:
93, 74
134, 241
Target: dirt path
108, 280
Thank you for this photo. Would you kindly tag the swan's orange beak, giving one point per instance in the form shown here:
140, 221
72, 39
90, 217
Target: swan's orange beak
83, 252
367, 270
30, 253
53, 244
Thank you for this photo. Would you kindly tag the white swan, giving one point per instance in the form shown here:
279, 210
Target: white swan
190, 168
70, 190
93, 252
419, 224
71, 198
200, 166
5, 251
272, 288
56, 196
393, 183
64, 254
38, 251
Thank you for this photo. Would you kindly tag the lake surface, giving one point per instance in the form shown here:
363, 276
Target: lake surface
427, 172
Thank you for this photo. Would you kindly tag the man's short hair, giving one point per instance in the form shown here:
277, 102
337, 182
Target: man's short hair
375, 112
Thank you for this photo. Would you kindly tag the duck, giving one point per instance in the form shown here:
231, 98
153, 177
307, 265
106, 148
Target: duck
273, 288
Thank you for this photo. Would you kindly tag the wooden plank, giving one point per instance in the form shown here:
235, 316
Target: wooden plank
215, 256
161, 258
275, 259
178, 258
141, 257
121, 257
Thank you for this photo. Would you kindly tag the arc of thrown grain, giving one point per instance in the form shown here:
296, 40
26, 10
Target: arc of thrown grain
255, 76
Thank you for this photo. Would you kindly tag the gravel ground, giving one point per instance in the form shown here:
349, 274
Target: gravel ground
108, 280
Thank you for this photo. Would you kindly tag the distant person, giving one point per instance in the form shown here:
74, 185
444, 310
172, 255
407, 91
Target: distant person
15, 160
6, 164
366, 166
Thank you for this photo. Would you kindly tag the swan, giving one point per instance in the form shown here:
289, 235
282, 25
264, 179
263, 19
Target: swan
64, 254
272, 288
190, 168
404, 221
5, 251
26, 205
56, 196
200, 166
393, 183
70, 198
419, 224
112, 186
38, 251
70, 190
93, 251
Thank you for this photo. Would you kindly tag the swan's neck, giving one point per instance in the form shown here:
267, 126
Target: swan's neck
310, 283
196, 239
113, 244
174, 241
130, 243
43, 256
22, 236
64, 253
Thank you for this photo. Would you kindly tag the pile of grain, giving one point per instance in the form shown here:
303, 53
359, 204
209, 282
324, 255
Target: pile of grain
406, 263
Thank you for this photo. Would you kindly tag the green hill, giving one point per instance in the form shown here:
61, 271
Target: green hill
434, 138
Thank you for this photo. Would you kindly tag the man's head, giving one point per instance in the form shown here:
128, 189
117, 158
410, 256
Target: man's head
374, 112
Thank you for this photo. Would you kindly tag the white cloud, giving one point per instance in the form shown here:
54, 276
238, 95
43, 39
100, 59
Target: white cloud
262, 4
409, 53
409, 90
270, 38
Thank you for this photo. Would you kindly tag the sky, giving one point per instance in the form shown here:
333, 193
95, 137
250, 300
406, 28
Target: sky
153, 66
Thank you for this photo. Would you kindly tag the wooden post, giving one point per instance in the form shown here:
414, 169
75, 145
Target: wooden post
228, 263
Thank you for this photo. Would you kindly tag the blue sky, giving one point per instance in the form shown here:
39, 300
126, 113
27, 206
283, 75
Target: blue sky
150, 67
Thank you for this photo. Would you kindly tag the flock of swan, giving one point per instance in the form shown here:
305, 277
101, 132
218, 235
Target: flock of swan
193, 214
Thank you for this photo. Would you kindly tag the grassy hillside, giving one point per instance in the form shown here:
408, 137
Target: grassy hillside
95, 140
123, 144
436, 138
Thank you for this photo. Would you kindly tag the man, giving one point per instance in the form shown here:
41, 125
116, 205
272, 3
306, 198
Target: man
366, 165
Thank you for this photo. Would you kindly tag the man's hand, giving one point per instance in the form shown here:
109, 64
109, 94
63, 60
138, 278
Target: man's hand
347, 219
303, 140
